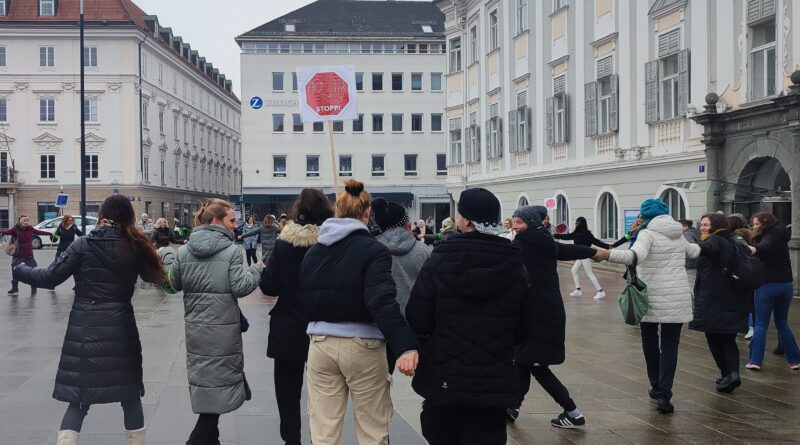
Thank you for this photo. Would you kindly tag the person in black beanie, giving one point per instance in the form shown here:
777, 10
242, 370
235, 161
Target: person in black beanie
469, 308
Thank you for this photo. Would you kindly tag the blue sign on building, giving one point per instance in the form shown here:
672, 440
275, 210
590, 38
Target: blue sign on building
256, 102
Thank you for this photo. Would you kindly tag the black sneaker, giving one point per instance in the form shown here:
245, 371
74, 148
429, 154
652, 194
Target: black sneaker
729, 383
664, 406
511, 415
13, 291
564, 420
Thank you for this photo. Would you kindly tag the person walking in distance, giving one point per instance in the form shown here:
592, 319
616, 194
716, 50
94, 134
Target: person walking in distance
288, 343
22, 233
269, 233
348, 295
582, 236
770, 242
659, 254
720, 308
470, 307
249, 235
209, 270
545, 345
65, 234
101, 360
146, 226
163, 236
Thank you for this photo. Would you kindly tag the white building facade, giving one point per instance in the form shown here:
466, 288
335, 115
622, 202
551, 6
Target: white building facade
396, 146
590, 101
162, 124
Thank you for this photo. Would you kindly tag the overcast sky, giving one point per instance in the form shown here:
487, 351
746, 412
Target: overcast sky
211, 25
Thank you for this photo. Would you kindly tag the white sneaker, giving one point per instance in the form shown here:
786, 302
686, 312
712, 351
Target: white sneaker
576, 293
599, 295
749, 334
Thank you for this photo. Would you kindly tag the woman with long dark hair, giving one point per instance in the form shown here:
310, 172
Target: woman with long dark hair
770, 242
582, 236
65, 234
288, 341
101, 360
209, 270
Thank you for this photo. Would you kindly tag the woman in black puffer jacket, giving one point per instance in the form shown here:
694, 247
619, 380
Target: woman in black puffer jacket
163, 235
101, 360
288, 342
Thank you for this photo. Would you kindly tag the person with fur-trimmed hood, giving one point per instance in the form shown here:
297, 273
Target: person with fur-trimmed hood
288, 343
470, 307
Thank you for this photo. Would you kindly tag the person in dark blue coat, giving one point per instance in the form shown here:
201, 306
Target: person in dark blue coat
288, 341
101, 360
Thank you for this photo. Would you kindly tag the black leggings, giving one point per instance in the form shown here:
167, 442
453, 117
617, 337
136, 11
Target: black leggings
132, 412
30, 262
206, 430
725, 352
251, 254
549, 383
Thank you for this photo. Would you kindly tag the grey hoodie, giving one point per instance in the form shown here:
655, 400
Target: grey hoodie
332, 231
408, 256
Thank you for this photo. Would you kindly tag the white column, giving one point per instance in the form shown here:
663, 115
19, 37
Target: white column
626, 62
644, 53
537, 80
577, 67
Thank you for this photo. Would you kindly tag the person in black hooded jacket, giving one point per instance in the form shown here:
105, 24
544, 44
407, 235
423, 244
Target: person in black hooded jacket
545, 346
288, 342
470, 306
582, 236
771, 245
348, 296
101, 360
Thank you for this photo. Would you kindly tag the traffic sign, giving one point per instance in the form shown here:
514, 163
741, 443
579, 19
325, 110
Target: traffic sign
550, 203
62, 199
327, 93
256, 102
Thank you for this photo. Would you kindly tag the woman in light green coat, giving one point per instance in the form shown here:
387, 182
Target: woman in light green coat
209, 270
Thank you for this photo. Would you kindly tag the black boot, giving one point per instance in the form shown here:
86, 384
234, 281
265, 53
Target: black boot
729, 383
14, 291
664, 406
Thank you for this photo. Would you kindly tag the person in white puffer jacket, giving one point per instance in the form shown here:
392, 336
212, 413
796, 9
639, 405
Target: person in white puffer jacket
659, 252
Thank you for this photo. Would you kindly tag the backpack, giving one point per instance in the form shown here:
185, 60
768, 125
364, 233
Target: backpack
745, 271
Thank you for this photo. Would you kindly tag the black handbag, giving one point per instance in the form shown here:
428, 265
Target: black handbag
243, 323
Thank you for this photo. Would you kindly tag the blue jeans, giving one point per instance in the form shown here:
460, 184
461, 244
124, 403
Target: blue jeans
773, 298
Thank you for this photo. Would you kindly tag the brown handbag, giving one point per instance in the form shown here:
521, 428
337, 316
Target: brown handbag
10, 246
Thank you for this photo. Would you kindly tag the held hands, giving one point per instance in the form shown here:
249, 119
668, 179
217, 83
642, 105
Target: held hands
601, 255
407, 363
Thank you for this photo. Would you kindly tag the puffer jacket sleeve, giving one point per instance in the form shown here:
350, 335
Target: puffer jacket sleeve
525, 320
421, 309
271, 277
242, 282
569, 252
172, 267
641, 247
380, 295
693, 250
50, 277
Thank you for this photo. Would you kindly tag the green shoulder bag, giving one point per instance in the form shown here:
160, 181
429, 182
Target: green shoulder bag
633, 301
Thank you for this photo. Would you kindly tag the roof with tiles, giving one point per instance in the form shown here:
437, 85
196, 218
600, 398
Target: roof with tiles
109, 12
366, 18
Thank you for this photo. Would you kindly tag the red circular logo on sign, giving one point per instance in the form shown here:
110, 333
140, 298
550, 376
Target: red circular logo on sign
550, 203
327, 94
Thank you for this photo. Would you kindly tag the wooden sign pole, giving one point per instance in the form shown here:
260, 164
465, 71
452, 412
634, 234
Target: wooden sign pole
333, 159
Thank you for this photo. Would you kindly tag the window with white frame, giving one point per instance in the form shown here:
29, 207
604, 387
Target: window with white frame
358, 124
608, 217
47, 166
277, 81
2, 56
494, 133
473, 44
558, 4
338, 126
416, 81
90, 56
522, 202
519, 125
312, 166
47, 110
318, 127
667, 79
345, 165
3, 110
601, 98
397, 123
416, 122
397, 81
562, 210
359, 81
162, 172
161, 74
4, 11
161, 120
441, 164
175, 82
297, 123
522, 15
277, 123
144, 70
763, 60
472, 148
90, 110
378, 165
377, 81
410, 163
436, 81
377, 123
556, 107
436, 122
456, 154
673, 199
47, 56
455, 54
494, 36
279, 166
47, 8
294, 81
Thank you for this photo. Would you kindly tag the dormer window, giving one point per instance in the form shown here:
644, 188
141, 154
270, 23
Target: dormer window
289, 28
427, 29
47, 8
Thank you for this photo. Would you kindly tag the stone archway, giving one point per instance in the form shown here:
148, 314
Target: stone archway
764, 185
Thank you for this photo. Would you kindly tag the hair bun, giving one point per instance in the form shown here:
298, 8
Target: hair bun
354, 187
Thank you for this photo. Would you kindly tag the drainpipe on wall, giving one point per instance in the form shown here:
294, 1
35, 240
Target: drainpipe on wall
141, 124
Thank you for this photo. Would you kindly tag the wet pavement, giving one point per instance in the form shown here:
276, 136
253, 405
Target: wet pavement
604, 372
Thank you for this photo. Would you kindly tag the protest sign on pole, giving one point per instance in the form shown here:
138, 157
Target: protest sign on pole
327, 93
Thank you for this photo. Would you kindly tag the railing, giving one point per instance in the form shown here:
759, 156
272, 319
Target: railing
605, 145
670, 132
495, 164
474, 168
559, 153
521, 159
455, 172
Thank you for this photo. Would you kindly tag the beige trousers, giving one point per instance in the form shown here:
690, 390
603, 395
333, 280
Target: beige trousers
338, 367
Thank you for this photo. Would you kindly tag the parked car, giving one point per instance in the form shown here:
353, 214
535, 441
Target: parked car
51, 225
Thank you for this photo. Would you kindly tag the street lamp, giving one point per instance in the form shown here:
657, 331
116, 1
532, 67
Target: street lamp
83, 133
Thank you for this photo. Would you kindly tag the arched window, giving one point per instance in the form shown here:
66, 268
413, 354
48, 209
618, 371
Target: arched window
562, 210
523, 201
608, 217
673, 199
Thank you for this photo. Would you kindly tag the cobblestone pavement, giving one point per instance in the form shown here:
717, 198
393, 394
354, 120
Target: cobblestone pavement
604, 372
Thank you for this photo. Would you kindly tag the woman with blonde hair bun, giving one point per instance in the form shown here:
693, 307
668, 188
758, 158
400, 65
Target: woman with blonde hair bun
349, 299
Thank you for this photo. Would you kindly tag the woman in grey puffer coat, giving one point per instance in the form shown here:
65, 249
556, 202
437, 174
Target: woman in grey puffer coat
209, 270
408, 254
